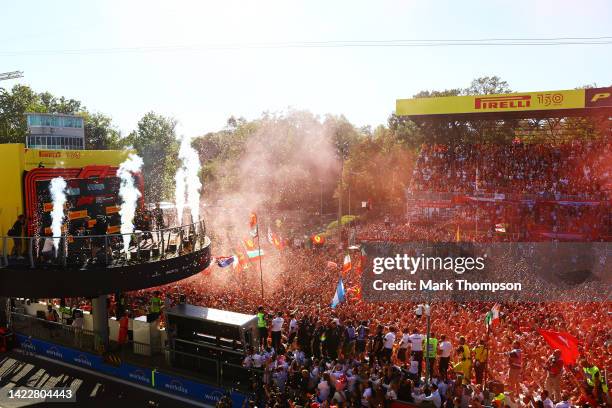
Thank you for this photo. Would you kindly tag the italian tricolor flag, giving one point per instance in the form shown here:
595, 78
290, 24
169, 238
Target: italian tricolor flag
346, 265
492, 316
255, 253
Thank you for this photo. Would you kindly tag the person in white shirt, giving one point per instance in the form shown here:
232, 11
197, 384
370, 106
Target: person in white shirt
258, 360
419, 311
546, 400
299, 356
248, 361
277, 327
417, 349
444, 350
365, 397
323, 388
565, 403
293, 329
435, 396
425, 395
403, 346
442, 387
391, 394
280, 378
388, 342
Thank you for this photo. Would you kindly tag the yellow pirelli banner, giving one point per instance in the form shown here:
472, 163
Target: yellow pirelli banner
496, 103
73, 158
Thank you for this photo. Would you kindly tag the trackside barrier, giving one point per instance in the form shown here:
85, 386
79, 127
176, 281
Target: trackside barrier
207, 369
159, 380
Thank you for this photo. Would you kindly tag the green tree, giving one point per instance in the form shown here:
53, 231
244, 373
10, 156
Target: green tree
100, 134
487, 85
378, 169
155, 141
222, 149
52, 104
13, 105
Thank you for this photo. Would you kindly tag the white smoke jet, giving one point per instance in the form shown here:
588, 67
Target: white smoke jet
58, 196
129, 194
179, 194
191, 169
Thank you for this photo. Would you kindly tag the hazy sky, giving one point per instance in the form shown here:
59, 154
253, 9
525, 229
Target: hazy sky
202, 87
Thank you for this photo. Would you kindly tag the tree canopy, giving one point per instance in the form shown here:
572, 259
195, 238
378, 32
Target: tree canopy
155, 141
99, 130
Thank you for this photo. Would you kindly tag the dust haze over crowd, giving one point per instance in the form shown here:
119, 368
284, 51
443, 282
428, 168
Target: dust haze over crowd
285, 155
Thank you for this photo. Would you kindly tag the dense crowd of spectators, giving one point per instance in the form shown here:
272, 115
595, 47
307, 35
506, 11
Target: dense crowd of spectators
366, 354
537, 192
577, 168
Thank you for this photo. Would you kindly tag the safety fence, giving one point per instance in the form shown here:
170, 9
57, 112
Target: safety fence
219, 369
154, 377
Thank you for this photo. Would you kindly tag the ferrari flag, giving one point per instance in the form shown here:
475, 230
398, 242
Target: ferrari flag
563, 341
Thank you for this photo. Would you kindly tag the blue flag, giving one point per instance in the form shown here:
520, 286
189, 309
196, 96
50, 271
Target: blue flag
339, 297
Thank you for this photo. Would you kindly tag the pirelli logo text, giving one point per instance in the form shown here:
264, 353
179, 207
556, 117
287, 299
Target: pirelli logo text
50, 154
502, 102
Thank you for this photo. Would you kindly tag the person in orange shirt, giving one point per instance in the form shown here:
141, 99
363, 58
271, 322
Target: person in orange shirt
123, 330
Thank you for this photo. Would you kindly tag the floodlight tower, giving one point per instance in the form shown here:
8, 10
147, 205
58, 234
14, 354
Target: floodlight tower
11, 75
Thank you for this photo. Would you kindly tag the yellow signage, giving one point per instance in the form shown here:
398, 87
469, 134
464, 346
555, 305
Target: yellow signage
498, 103
73, 158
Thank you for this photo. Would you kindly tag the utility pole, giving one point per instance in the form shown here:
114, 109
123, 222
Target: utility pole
343, 152
321, 207
340, 200
260, 267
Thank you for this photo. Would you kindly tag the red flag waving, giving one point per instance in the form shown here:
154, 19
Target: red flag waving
563, 341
